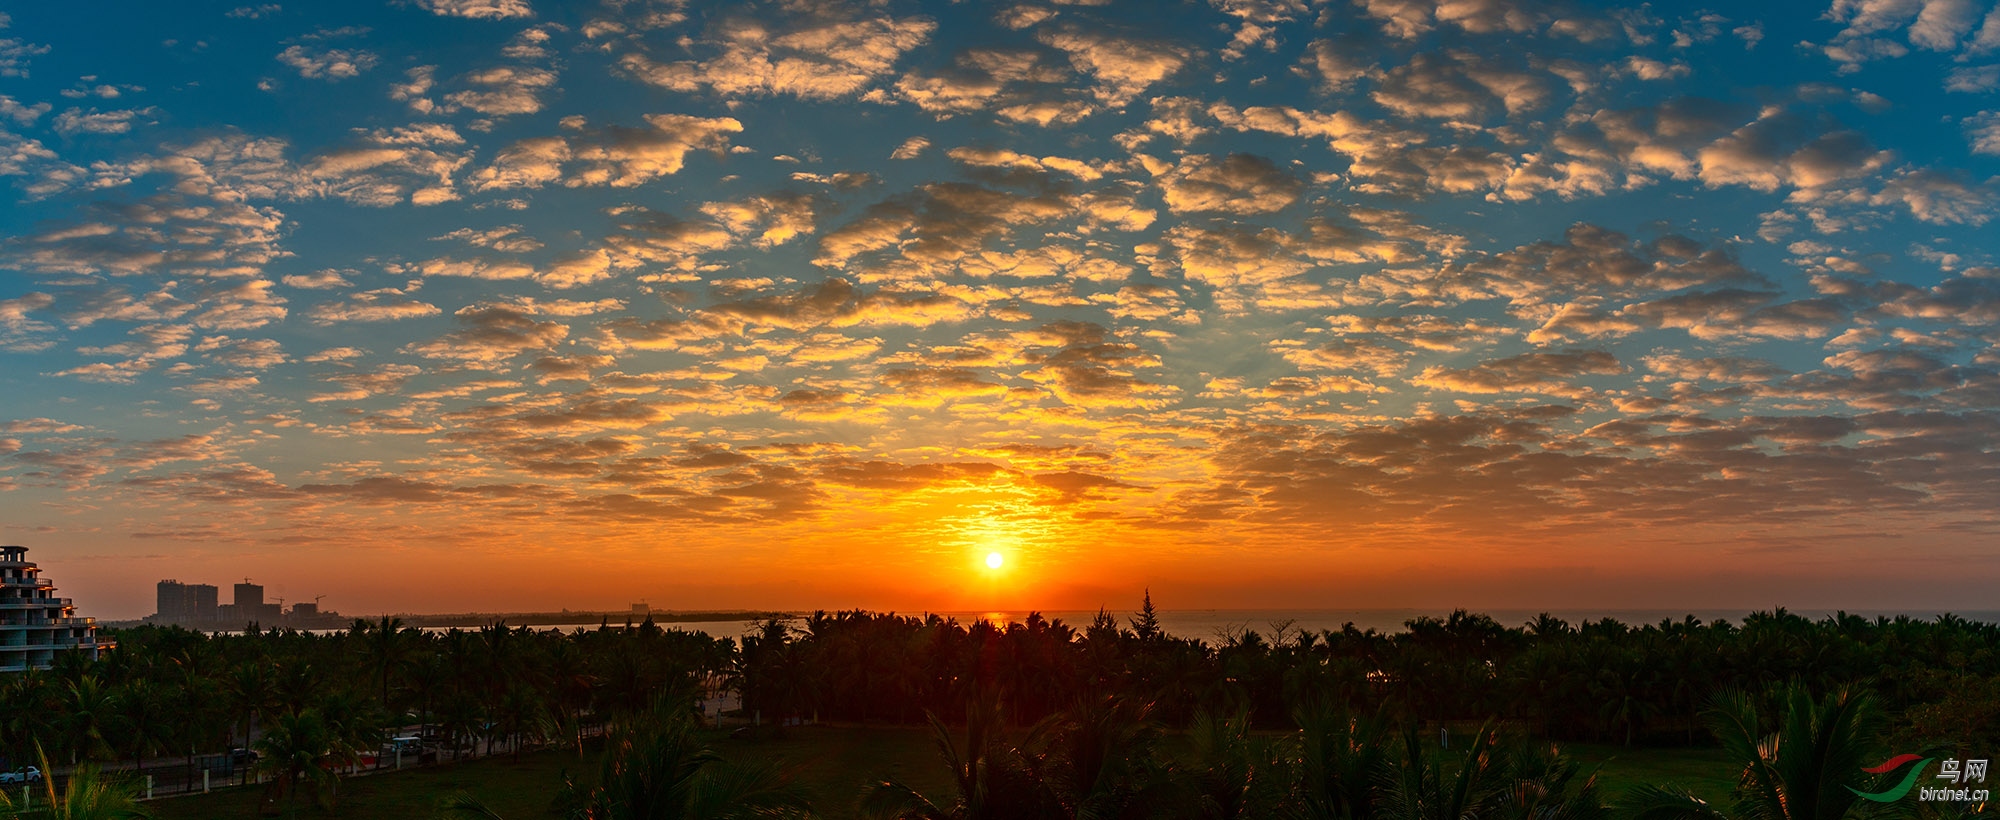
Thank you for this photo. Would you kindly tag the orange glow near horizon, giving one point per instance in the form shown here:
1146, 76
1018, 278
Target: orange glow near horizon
1258, 304
905, 567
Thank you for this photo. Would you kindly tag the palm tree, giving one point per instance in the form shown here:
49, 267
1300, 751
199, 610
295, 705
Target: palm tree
460, 717
463, 806
1226, 767
203, 718
90, 711
388, 646
28, 709
570, 684
1801, 772
662, 772
987, 774
657, 769
299, 685
430, 676
1425, 787
794, 683
147, 719
353, 724
1094, 761
1340, 762
297, 748
1497, 778
86, 795
1543, 784
1099, 760
518, 715
251, 693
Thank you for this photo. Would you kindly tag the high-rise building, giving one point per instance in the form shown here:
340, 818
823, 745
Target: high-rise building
174, 603
34, 624
202, 602
195, 605
250, 606
185, 603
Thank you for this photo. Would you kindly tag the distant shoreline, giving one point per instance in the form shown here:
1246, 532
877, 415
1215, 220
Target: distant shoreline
1195, 622
616, 617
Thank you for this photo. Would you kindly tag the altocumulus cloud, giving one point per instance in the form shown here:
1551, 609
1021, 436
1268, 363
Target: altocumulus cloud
1278, 275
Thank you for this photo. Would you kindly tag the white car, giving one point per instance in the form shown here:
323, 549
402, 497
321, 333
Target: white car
27, 775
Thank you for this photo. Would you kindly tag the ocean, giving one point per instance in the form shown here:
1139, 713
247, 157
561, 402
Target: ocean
1214, 625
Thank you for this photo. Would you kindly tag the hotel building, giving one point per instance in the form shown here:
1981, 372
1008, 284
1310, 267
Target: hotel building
34, 624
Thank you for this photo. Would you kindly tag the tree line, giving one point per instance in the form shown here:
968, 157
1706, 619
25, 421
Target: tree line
1807, 757
310, 705
314, 704
1599, 681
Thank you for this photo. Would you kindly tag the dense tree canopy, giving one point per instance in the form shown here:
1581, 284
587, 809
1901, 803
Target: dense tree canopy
1080, 708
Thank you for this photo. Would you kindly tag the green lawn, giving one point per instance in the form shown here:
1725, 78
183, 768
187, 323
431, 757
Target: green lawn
834, 764
1704, 771
515, 790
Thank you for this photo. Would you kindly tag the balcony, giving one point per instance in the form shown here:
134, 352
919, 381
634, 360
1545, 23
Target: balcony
23, 623
27, 582
56, 646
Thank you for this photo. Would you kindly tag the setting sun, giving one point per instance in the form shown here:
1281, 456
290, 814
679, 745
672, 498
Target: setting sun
994, 560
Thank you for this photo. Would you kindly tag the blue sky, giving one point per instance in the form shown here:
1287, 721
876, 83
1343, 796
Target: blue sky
815, 304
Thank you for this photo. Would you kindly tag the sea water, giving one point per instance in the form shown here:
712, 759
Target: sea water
1218, 625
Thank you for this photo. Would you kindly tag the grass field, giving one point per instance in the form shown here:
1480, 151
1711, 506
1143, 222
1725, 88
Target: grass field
833, 763
1702, 771
515, 790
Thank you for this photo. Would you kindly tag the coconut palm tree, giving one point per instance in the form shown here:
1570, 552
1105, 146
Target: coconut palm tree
1095, 760
517, 715
252, 695
1496, 778
28, 709
148, 717
463, 806
388, 646
657, 769
662, 772
87, 794
90, 714
570, 685
1098, 760
1340, 764
353, 724
1544, 784
299, 748
988, 775
1424, 786
1801, 772
1227, 768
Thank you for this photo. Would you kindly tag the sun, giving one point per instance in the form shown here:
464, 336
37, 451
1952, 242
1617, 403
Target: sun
994, 560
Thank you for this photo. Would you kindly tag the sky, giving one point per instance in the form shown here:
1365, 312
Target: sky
444, 305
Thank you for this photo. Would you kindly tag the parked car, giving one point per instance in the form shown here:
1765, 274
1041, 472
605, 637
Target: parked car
242, 757
27, 775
